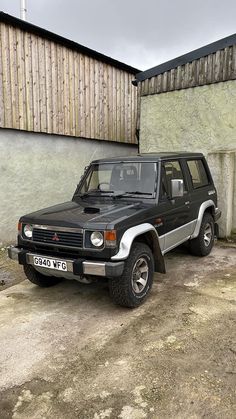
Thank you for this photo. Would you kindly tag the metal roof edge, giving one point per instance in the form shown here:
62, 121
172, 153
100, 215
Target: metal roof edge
37, 30
186, 58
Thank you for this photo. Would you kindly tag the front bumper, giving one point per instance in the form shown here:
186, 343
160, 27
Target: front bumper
74, 266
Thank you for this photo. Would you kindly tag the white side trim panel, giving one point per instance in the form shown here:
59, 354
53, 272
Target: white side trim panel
181, 234
128, 238
202, 209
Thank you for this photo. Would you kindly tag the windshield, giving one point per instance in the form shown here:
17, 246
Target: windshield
133, 178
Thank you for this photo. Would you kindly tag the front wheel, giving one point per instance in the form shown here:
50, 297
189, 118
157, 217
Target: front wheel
39, 279
132, 288
202, 245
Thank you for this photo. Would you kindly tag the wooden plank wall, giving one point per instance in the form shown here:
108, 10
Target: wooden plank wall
47, 87
214, 68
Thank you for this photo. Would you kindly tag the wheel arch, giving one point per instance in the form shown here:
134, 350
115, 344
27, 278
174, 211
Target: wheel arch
145, 233
207, 206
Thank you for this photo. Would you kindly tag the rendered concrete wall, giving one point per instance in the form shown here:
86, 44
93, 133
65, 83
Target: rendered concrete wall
39, 170
222, 166
234, 198
200, 119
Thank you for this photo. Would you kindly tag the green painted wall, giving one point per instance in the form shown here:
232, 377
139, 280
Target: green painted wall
201, 119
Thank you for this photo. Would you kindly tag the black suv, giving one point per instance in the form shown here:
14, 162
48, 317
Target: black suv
126, 213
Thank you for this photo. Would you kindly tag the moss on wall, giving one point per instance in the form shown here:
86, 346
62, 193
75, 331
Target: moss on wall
197, 119
200, 119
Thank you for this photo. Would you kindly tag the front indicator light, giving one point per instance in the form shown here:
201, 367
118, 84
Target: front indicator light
28, 231
19, 227
110, 238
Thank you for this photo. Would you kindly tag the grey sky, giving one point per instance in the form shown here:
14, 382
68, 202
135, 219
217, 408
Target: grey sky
142, 34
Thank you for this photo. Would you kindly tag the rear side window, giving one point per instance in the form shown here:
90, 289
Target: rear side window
198, 173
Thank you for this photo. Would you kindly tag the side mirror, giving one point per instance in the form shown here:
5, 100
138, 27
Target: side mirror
177, 188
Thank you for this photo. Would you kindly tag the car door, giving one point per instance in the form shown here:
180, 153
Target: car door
201, 184
176, 211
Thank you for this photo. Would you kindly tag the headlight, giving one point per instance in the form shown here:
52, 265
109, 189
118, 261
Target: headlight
96, 239
28, 231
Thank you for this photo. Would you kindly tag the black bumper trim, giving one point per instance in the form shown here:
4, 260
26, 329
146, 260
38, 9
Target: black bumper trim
78, 267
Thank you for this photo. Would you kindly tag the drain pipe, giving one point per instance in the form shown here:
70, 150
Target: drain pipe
23, 9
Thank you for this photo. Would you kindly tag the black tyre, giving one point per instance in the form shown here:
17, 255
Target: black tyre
132, 288
39, 279
202, 245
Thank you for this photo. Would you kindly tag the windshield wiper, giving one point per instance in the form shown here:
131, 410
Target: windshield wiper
90, 193
132, 193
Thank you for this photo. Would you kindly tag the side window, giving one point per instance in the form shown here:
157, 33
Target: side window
198, 173
170, 170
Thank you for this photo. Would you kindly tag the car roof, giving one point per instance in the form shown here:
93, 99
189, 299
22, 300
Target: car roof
149, 157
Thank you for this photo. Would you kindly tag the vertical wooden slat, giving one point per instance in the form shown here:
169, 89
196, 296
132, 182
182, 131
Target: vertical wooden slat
192, 73
122, 122
209, 68
76, 72
92, 97
29, 83
6, 77
54, 91
152, 86
42, 85
14, 80
101, 102
105, 101
48, 86
126, 94
217, 67
35, 84
71, 94
110, 103
158, 84
66, 93
114, 109
128, 107
81, 96
225, 64
201, 71
20, 57
60, 84
96, 101
118, 106
87, 97
230, 56
1, 82
172, 79
178, 78
233, 71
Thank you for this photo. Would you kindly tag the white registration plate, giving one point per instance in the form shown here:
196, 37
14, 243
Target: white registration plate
59, 265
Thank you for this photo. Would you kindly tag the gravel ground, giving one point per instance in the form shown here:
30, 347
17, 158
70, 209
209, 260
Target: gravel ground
68, 352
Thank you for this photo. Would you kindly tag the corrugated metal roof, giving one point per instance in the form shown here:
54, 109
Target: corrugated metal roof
29, 27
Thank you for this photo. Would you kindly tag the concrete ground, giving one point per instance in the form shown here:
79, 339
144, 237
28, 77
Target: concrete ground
68, 352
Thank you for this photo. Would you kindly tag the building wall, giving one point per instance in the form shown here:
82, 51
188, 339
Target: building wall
201, 119
48, 87
39, 170
212, 68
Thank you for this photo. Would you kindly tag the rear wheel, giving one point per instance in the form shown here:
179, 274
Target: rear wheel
39, 279
132, 288
202, 245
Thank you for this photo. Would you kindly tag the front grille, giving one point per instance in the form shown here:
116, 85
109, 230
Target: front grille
62, 238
